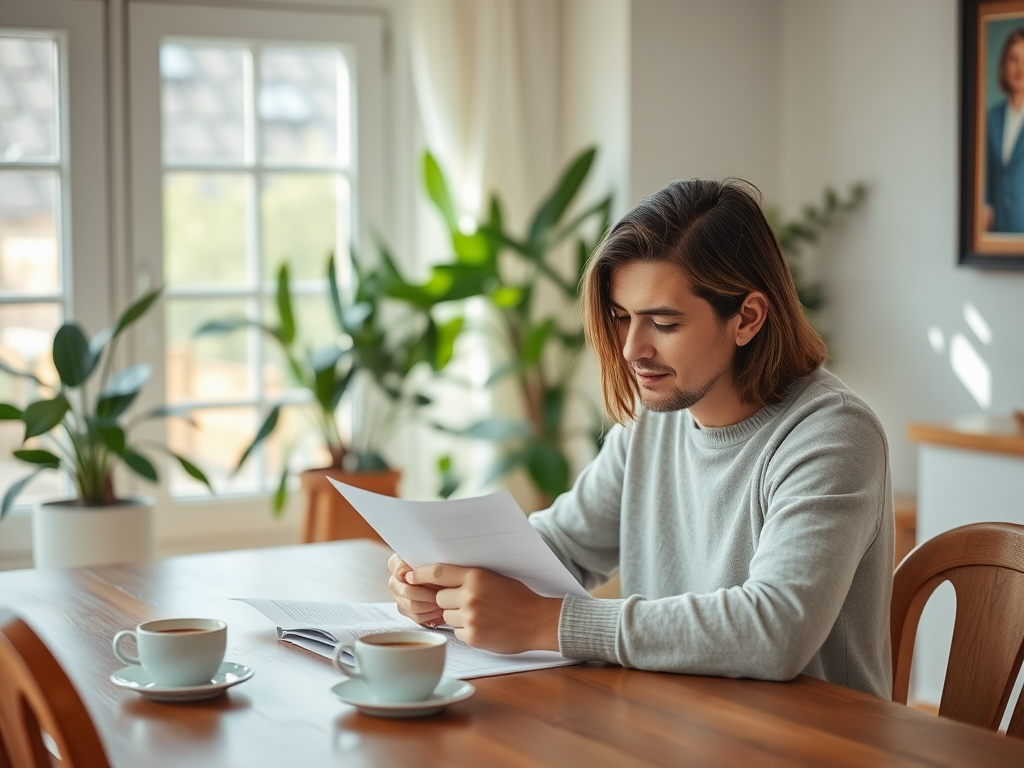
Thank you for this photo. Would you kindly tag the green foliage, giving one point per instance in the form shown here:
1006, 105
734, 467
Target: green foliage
794, 235
540, 353
87, 429
367, 347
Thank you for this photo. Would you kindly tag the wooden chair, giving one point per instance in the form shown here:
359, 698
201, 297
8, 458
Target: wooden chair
36, 696
985, 564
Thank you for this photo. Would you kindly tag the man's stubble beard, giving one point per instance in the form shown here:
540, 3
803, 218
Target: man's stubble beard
678, 400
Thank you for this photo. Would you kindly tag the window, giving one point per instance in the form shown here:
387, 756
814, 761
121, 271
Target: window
53, 207
257, 139
33, 167
256, 173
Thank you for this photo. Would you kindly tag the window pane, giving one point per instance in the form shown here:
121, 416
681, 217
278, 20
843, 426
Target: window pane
305, 217
303, 106
205, 225
203, 103
317, 328
26, 343
215, 446
26, 338
29, 250
28, 99
207, 368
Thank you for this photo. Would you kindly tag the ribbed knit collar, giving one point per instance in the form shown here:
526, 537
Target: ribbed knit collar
734, 434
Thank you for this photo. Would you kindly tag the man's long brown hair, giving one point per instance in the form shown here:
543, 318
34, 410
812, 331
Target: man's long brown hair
716, 233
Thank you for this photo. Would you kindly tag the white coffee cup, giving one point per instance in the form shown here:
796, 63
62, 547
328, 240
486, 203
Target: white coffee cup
176, 652
397, 667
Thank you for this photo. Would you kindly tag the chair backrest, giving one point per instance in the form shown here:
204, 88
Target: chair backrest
985, 564
36, 696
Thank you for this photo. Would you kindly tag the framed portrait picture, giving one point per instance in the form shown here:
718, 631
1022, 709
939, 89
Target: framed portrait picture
992, 133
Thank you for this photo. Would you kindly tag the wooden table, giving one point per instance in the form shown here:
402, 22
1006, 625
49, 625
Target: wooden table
591, 715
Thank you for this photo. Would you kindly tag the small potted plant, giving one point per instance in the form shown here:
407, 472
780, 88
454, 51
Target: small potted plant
368, 354
84, 430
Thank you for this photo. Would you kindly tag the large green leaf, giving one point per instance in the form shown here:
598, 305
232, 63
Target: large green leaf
284, 306
447, 333
9, 412
135, 311
536, 337
552, 408
43, 415
43, 458
124, 388
13, 491
505, 464
471, 249
281, 494
437, 189
230, 324
496, 429
71, 355
140, 465
164, 411
370, 461
552, 209
265, 429
130, 381
324, 381
193, 471
111, 435
340, 386
548, 467
332, 282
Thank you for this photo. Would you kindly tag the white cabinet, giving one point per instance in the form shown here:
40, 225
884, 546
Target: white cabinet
969, 471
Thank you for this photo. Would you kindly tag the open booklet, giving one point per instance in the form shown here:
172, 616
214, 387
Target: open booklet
320, 627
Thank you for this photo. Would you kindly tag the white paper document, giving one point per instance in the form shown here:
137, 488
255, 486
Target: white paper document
320, 627
485, 532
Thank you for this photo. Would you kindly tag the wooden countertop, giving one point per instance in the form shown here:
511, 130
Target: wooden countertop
998, 434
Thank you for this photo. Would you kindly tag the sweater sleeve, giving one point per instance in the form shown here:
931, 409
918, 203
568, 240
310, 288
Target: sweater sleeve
822, 490
582, 526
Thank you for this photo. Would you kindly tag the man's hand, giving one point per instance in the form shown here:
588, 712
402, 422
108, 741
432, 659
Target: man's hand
488, 611
418, 603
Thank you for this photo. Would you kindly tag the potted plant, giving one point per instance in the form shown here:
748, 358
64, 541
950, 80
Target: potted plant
84, 430
531, 280
370, 360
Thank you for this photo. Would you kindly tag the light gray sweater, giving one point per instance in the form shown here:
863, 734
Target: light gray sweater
763, 549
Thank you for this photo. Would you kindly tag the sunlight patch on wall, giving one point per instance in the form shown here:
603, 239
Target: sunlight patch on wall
977, 323
971, 369
937, 339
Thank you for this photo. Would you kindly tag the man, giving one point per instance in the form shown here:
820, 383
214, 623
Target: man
747, 501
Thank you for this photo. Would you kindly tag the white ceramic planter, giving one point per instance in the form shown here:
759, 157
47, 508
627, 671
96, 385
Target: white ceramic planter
68, 535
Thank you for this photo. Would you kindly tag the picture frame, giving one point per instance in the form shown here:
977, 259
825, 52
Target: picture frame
992, 134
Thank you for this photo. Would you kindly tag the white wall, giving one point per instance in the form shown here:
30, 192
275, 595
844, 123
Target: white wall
870, 91
704, 82
800, 94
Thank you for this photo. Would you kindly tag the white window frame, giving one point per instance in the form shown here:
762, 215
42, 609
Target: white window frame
84, 227
185, 525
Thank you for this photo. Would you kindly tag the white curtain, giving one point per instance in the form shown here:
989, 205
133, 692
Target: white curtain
487, 76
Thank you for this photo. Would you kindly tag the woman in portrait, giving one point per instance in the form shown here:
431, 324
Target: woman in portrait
1004, 155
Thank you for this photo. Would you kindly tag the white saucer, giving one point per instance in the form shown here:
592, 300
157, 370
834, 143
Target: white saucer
448, 691
135, 678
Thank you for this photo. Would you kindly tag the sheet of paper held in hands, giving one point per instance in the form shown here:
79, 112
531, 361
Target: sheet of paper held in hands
486, 532
319, 627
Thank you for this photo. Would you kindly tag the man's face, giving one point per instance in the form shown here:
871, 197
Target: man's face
680, 352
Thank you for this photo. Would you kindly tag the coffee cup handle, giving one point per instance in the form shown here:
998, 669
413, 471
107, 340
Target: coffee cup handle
124, 656
343, 666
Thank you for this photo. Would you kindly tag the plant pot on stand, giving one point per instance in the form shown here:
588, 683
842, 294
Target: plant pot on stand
67, 534
329, 516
